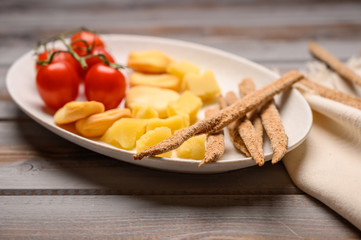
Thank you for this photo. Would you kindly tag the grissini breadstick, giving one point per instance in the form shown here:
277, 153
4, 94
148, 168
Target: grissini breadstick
247, 133
257, 124
340, 68
249, 136
271, 121
245, 87
325, 92
250, 102
224, 116
273, 126
233, 131
215, 142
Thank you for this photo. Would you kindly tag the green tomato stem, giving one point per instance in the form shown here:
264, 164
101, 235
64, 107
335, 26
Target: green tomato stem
87, 47
106, 61
50, 58
81, 60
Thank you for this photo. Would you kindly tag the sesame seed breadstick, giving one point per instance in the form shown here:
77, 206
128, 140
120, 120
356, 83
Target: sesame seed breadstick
251, 101
329, 93
271, 120
222, 102
340, 68
231, 97
245, 87
224, 116
215, 142
233, 131
257, 124
247, 133
273, 126
250, 138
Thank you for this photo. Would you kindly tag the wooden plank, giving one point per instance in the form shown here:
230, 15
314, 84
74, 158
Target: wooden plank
10, 111
191, 13
159, 4
4, 95
269, 53
253, 202
106, 176
256, 31
36, 161
281, 25
170, 217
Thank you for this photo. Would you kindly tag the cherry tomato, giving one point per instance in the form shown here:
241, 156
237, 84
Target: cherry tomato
92, 39
105, 84
94, 60
61, 57
57, 84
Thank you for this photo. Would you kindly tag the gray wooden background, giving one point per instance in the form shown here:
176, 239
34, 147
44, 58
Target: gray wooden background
53, 189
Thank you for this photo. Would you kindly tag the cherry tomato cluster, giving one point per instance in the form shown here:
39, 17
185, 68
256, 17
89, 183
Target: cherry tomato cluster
85, 61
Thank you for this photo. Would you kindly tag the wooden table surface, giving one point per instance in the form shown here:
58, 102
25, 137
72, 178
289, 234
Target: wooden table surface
53, 189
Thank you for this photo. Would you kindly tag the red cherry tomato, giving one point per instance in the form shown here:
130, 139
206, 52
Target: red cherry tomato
61, 57
105, 84
57, 84
92, 40
94, 60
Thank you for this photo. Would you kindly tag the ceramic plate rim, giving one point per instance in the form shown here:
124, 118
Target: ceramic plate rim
82, 141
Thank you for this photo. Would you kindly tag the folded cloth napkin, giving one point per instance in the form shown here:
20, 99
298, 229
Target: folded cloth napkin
327, 165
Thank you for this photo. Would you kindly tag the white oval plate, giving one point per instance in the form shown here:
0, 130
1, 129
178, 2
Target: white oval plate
229, 69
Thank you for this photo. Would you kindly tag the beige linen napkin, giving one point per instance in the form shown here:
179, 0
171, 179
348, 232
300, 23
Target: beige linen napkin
327, 165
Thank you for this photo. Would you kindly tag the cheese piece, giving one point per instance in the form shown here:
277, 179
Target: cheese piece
193, 148
73, 111
204, 86
163, 80
154, 97
174, 123
153, 137
180, 69
188, 104
144, 112
149, 61
97, 124
125, 132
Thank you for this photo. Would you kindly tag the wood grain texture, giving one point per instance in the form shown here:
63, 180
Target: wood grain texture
51, 188
256, 30
169, 217
35, 160
192, 17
